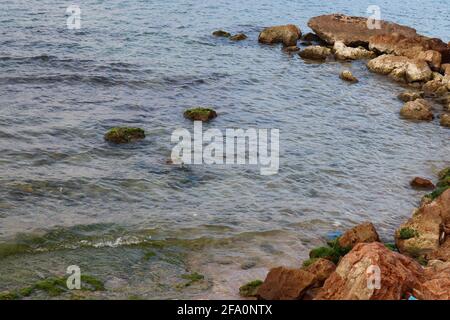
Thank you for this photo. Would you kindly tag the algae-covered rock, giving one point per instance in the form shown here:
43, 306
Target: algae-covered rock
121, 135
221, 33
200, 114
238, 37
250, 289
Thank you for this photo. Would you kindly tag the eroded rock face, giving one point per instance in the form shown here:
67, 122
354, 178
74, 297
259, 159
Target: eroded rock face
445, 120
362, 233
322, 269
422, 235
436, 284
315, 53
417, 110
287, 34
342, 52
414, 47
353, 31
401, 68
285, 284
399, 275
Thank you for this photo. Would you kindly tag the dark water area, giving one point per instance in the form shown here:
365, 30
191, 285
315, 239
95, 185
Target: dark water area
121, 213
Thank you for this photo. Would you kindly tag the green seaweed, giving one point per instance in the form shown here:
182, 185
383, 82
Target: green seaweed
148, 255
9, 295
124, 135
309, 262
250, 289
200, 114
192, 278
407, 233
391, 246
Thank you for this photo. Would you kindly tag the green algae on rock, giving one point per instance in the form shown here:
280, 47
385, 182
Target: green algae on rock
200, 114
121, 135
250, 289
407, 233
221, 33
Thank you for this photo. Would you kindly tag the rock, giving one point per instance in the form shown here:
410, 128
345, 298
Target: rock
423, 233
285, 284
315, 53
421, 183
221, 33
445, 120
410, 96
353, 31
434, 88
287, 34
348, 76
436, 285
445, 69
311, 37
120, 135
412, 70
291, 49
322, 269
417, 110
433, 58
342, 52
364, 232
250, 289
200, 114
398, 275
238, 37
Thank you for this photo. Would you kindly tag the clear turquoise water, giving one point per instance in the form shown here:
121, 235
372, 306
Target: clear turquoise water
69, 198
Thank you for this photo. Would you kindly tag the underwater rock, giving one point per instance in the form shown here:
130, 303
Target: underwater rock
121, 135
221, 33
286, 34
200, 114
346, 75
410, 96
238, 37
417, 110
315, 53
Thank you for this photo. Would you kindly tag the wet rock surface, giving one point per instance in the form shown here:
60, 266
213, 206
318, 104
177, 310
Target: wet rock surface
417, 110
286, 34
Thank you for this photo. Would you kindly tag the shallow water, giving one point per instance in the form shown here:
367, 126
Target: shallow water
67, 197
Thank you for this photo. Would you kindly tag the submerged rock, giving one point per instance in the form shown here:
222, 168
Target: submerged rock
399, 275
285, 284
121, 135
291, 49
421, 183
342, 52
315, 53
311, 37
348, 76
401, 68
445, 120
362, 233
238, 37
410, 96
417, 110
221, 33
352, 31
200, 114
286, 34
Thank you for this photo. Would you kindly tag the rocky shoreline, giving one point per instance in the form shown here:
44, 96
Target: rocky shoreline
417, 266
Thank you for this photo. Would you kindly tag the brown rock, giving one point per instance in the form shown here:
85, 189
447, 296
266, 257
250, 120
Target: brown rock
445, 120
238, 37
352, 31
285, 284
322, 269
436, 87
287, 34
291, 49
436, 285
417, 110
433, 58
315, 53
348, 76
311, 37
398, 275
410, 96
427, 224
399, 66
421, 183
364, 232
445, 69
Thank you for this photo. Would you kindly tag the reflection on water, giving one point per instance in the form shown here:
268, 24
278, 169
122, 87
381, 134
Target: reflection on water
67, 197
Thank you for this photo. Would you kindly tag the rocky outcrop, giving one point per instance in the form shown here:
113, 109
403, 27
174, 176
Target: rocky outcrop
445, 120
417, 110
285, 284
348, 76
362, 233
398, 275
401, 68
315, 53
353, 31
287, 35
421, 183
342, 52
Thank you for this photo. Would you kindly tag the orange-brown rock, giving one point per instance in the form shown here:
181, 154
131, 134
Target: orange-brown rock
445, 120
322, 269
422, 183
426, 229
285, 284
398, 275
353, 31
364, 232
436, 284
287, 34
445, 69
417, 110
